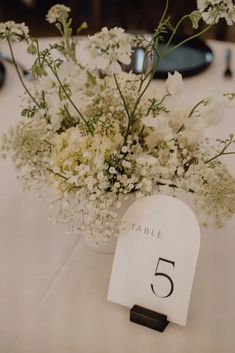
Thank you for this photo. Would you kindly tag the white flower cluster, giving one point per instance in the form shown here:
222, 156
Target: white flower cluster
101, 137
212, 10
14, 31
57, 13
106, 50
27, 143
216, 201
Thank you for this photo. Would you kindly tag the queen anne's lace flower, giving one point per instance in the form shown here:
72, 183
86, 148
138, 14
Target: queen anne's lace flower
106, 50
215, 201
13, 31
212, 10
57, 13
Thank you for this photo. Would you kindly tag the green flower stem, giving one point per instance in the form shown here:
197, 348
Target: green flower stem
63, 28
223, 151
165, 52
142, 131
203, 101
151, 74
159, 103
142, 77
186, 40
19, 75
161, 55
126, 109
218, 155
164, 13
68, 97
149, 110
143, 127
131, 116
67, 39
58, 174
38, 52
176, 29
121, 95
67, 111
149, 46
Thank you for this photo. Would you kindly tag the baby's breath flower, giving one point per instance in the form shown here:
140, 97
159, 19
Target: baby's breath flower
112, 170
124, 149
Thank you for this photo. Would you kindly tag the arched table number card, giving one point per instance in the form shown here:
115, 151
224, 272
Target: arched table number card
155, 261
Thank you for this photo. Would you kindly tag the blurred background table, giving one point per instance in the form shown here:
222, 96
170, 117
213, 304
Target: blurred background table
53, 289
133, 15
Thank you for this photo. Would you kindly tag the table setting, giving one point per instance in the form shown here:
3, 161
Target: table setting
82, 143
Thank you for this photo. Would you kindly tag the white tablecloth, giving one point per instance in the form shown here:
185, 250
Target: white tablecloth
53, 289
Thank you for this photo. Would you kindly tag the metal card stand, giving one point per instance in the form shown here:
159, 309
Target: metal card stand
148, 318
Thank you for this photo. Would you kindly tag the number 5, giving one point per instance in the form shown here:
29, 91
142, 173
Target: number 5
165, 276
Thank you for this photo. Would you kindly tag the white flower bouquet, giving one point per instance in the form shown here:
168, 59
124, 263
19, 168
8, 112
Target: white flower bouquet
100, 136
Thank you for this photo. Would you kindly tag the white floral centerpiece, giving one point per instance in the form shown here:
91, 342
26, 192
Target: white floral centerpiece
100, 136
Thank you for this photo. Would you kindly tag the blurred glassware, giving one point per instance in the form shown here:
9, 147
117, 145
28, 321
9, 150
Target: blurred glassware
227, 57
189, 59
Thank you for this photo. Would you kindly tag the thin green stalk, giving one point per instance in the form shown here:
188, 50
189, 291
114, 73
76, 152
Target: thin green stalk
68, 97
38, 49
142, 93
142, 77
143, 127
126, 109
58, 174
161, 56
19, 75
67, 41
203, 101
191, 113
166, 52
218, 155
162, 100
189, 38
67, 111
164, 13
175, 30
142, 131
149, 109
146, 52
121, 95
186, 40
159, 103
38, 52
222, 152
